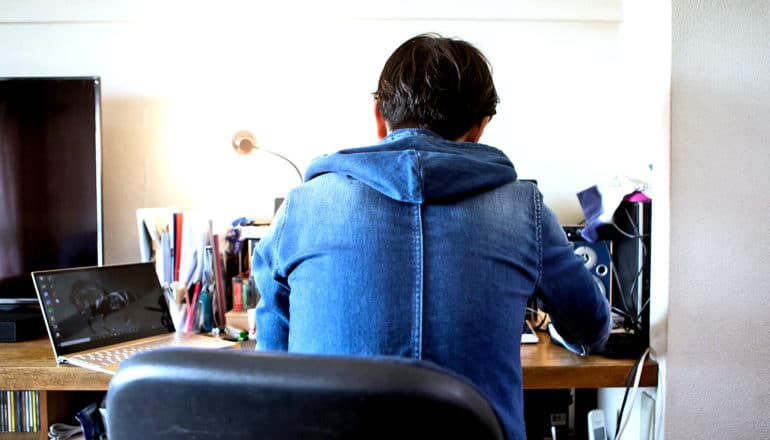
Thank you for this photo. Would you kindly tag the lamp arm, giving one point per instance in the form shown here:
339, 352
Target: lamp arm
301, 179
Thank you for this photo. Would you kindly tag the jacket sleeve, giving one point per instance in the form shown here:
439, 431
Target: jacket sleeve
570, 295
273, 308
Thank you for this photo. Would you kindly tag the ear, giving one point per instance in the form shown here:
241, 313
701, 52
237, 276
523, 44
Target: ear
474, 134
382, 125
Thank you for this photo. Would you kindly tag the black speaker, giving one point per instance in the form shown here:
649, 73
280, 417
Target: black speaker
597, 257
630, 234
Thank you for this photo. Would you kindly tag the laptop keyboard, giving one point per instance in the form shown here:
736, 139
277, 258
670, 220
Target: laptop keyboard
116, 355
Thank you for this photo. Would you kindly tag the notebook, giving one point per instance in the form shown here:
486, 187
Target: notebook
98, 316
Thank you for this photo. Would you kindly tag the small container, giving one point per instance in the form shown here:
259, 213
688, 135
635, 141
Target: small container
251, 315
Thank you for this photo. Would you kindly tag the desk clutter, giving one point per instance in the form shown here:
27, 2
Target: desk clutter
205, 273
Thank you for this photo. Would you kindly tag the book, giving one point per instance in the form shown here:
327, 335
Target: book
219, 280
191, 248
152, 225
178, 220
237, 294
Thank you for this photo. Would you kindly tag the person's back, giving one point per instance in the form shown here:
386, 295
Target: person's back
421, 246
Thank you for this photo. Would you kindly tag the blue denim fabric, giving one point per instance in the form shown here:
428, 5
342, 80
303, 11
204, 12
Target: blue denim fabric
427, 249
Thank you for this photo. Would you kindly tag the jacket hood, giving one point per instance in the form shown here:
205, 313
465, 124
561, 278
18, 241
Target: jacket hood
416, 166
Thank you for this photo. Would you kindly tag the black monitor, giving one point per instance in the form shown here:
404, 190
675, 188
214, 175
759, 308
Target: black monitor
50, 179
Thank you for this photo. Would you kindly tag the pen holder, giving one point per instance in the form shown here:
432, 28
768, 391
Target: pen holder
178, 315
176, 309
190, 309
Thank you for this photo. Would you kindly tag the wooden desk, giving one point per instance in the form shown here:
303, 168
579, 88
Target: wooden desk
548, 366
30, 365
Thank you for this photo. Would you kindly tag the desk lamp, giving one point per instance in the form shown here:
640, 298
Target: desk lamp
244, 142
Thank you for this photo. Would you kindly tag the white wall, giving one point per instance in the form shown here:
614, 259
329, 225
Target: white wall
179, 80
719, 317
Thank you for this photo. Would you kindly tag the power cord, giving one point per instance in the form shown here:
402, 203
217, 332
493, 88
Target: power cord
90, 425
534, 313
61, 431
636, 372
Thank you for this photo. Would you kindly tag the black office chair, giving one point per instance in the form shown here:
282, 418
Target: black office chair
181, 393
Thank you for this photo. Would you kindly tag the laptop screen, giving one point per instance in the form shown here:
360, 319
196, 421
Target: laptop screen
91, 307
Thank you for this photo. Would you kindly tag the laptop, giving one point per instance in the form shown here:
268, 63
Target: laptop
98, 316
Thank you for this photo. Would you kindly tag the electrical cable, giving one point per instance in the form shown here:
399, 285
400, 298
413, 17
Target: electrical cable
534, 311
636, 233
634, 313
636, 278
61, 431
622, 312
634, 284
615, 270
622, 232
620, 288
639, 368
641, 310
629, 382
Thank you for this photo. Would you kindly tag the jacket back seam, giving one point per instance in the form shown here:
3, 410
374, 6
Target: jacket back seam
418, 286
538, 234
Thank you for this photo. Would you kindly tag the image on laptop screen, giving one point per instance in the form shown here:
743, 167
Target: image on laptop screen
97, 306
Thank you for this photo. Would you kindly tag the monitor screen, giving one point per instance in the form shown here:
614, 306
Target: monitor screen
50, 179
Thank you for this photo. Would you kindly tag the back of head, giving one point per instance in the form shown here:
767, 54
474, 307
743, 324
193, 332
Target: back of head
440, 84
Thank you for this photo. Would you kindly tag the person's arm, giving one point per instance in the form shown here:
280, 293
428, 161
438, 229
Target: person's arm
273, 308
571, 297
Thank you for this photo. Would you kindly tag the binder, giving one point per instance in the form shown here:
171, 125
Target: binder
219, 280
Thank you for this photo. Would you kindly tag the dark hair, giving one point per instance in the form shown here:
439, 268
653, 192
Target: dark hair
440, 84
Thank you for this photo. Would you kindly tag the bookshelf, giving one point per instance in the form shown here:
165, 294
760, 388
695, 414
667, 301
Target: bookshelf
63, 390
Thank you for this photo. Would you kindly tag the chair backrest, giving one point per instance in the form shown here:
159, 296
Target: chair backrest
182, 393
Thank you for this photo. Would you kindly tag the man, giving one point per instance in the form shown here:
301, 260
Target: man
425, 245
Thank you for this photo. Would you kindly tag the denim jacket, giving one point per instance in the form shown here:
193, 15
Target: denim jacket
422, 248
